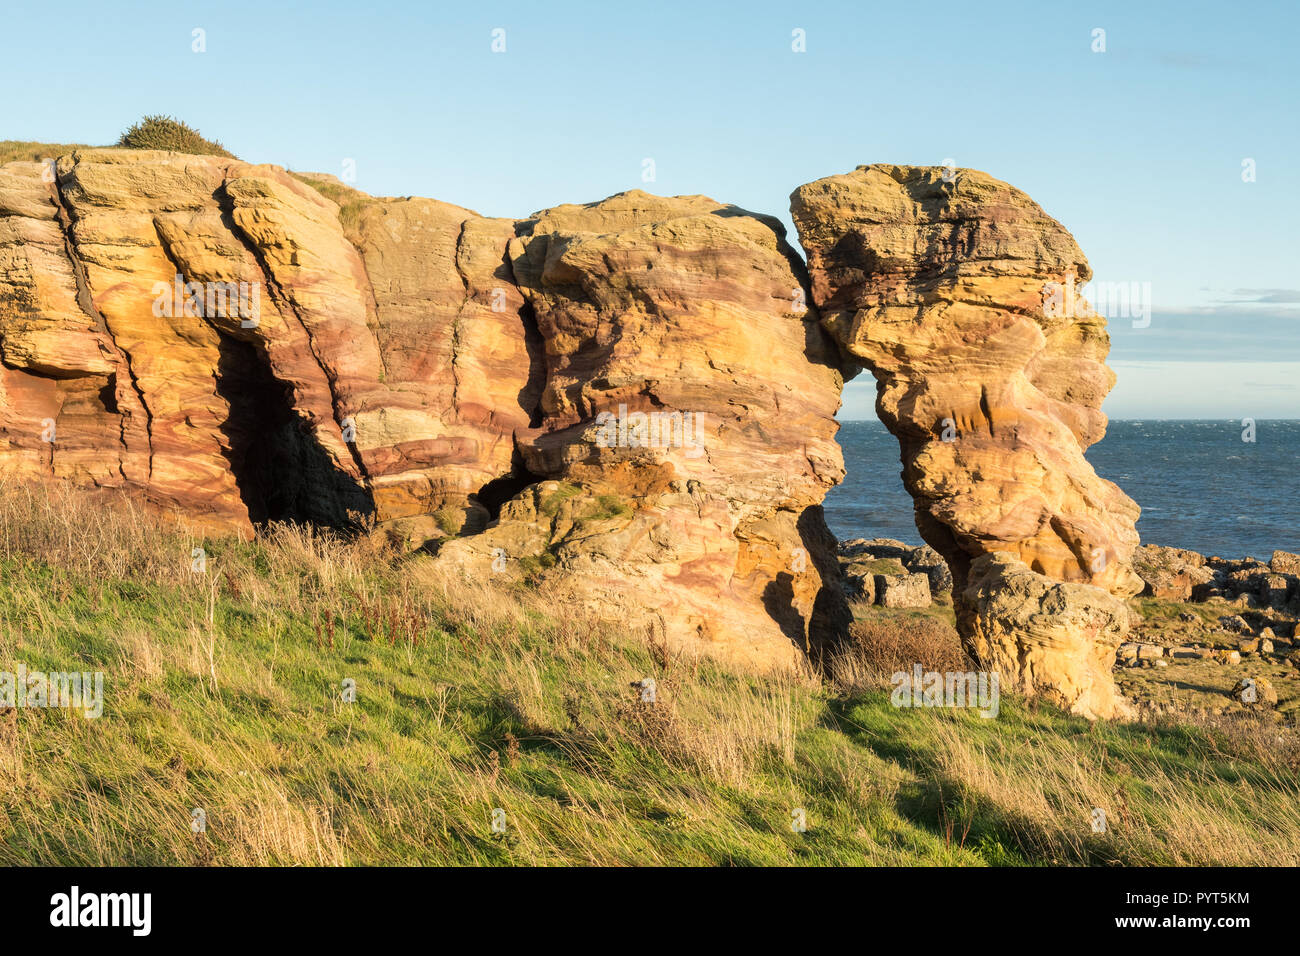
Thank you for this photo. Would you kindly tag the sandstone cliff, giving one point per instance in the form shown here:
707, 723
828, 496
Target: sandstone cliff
632, 399
436, 371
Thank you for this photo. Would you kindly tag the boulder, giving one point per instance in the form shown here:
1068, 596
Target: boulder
1235, 623
1045, 637
1285, 562
907, 590
1170, 573
1273, 590
925, 560
859, 582
1255, 692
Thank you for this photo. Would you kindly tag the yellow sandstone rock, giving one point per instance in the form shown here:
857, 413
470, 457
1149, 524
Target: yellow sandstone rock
958, 293
632, 399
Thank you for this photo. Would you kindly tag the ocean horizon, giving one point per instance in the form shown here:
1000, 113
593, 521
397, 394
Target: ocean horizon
1201, 484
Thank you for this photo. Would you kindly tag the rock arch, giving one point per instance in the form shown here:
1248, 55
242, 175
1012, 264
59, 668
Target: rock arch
958, 293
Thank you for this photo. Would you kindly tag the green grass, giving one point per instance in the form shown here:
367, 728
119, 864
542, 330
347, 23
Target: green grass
1164, 611
904, 617
224, 693
891, 566
12, 150
351, 202
552, 501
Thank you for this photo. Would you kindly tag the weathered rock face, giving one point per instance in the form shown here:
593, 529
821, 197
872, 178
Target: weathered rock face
685, 428
462, 368
327, 383
437, 371
1056, 640
117, 375
960, 298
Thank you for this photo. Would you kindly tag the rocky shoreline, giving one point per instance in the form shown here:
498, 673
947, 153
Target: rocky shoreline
1208, 635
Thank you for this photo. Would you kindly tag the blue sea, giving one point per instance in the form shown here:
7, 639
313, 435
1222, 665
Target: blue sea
1199, 484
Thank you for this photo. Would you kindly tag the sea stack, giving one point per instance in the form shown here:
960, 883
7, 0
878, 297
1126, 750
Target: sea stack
959, 294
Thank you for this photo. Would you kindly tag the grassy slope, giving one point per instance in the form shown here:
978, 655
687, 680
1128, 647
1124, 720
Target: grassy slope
224, 693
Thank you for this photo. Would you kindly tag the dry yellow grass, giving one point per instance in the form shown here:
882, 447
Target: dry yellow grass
223, 693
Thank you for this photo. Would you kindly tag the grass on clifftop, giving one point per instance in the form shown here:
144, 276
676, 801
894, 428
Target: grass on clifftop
14, 150
350, 201
223, 692
152, 132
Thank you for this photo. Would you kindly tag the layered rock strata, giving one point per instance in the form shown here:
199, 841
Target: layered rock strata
631, 394
960, 295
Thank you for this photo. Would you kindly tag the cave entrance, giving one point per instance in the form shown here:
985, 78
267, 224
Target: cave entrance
280, 469
500, 490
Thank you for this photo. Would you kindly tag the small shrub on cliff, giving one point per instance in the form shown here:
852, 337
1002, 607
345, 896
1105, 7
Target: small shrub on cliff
166, 132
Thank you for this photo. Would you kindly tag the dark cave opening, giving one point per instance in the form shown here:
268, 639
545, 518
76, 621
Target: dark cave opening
108, 394
500, 490
279, 466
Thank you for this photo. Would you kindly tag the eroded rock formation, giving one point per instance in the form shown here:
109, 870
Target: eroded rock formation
629, 399
686, 432
437, 371
960, 295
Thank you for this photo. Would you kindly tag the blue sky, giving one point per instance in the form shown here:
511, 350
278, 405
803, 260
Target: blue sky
1138, 150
